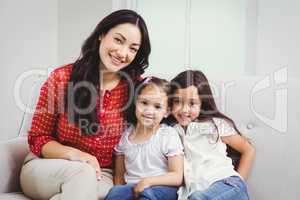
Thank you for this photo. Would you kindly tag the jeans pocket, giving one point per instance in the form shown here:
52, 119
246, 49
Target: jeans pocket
234, 181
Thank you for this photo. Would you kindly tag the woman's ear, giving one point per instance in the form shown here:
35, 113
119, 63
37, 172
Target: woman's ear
100, 37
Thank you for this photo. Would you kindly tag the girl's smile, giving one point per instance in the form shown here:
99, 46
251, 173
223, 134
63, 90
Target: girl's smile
186, 105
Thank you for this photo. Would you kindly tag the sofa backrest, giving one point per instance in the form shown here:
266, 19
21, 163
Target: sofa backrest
265, 111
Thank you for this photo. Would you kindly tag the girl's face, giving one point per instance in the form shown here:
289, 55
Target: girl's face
151, 106
186, 105
119, 46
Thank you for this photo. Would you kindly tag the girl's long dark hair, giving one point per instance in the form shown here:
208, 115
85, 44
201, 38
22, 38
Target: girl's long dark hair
86, 68
209, 109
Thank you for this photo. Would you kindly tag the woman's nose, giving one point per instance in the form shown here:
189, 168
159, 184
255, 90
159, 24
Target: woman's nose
122, 52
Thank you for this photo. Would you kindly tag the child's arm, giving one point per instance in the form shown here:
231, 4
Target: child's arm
119, 170
247, 151
173, 177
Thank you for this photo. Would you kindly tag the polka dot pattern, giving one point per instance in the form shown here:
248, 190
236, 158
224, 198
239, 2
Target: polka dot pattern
50, 120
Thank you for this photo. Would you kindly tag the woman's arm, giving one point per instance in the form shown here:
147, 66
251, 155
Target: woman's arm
247, 151
119, 170
54, 149
173, 177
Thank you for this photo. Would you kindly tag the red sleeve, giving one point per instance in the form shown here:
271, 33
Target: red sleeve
45, 116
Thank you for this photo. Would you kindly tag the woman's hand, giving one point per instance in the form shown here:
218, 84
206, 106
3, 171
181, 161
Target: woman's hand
77, 155
140, 186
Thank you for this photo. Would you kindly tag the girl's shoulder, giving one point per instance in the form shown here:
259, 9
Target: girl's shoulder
124, 141
128, 130
166, 130
221, 121
210, 126
215, 121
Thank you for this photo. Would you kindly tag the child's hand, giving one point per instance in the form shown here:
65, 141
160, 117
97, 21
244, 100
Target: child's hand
140, 186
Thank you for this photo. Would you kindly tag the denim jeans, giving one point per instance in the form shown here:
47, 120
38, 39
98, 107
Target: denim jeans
231, 188
125, 192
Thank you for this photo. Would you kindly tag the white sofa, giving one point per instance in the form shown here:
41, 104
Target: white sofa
265, 110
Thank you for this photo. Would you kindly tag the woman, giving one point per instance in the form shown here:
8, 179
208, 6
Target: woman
79, 114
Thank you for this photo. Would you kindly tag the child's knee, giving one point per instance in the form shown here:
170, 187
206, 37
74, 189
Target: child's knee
197, 196
120, 192
148, 193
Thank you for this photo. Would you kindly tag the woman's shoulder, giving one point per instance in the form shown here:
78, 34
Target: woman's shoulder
63, 70
61, 74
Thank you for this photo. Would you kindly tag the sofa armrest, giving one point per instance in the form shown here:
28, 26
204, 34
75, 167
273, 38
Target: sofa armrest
12, 154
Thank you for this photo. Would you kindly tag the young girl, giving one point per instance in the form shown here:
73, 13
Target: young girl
149, 156
205, 132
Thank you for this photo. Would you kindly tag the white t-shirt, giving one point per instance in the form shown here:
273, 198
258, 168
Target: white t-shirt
149, 158
206, 159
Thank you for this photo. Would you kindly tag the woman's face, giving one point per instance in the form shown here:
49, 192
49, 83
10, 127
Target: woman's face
186, 105
119, 46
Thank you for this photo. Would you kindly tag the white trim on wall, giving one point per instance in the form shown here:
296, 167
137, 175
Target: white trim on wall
251, 37
187, 39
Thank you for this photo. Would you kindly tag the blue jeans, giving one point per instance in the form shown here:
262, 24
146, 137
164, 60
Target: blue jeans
125, 192
231, 188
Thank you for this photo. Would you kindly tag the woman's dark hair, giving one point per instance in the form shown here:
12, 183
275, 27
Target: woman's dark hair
86, 68
209, 109
158, 83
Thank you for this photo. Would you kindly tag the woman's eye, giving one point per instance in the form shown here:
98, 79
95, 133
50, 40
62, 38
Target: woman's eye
133, 50
118, 40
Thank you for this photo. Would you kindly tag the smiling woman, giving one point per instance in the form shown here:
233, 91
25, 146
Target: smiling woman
79, 114
119, 47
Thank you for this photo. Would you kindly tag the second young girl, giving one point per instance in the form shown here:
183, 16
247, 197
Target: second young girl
209, 173
149, 156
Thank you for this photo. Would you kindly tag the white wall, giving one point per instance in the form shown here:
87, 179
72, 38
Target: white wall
76, 20
271, 36
39, 35
28, 40
278, 41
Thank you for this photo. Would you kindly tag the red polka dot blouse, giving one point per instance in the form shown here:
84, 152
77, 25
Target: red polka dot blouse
50, 122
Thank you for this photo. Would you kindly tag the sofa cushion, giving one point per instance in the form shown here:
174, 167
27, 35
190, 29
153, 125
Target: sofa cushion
12, 154
13, 196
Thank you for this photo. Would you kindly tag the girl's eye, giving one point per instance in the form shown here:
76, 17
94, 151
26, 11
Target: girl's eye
158, 107
176, 101
144, 102
192, 103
